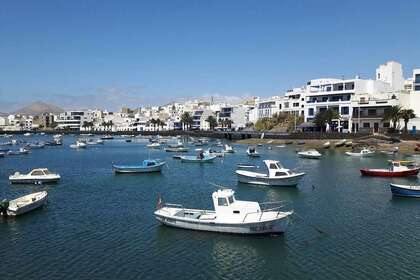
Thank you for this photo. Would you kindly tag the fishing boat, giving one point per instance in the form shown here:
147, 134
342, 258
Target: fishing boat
78, 145
326, 145
396, 169
363, 153
176, 149
154, 145
405, 190
147, 166
39, 175
37, 145
312, 154
107, 137
198, 159
252, 152
229, 216
340, 143
215, 153
228, 149
277, 175
21, 151
23, 204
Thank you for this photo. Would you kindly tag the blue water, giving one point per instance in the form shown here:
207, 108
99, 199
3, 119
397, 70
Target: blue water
98, 225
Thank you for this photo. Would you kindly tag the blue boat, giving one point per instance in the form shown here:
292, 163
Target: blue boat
405, 190
148, 165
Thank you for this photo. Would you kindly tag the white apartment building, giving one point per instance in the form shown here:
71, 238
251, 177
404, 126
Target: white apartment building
410, 99
237, 114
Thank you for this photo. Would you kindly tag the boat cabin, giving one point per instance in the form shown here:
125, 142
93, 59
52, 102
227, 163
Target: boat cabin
227, 208
275, 169
39, 172
401, 165
149, 162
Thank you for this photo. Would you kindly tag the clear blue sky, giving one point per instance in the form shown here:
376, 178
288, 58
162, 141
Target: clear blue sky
82, 53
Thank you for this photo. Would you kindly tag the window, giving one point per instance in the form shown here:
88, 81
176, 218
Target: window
230, 198
286, 104
311, 111
295, 104
417, 78
386, 124
236, 212
366, 125
324, 99
344, 110
281, 173
371, 112
221, 201
417, 88
280, 106
273, 166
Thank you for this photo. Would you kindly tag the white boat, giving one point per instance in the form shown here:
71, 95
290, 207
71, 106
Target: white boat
228, 149
211, 152
362, 153
39, 175
99, 141
252, 152
229, 216
326, 145
314, 154
155, 145
23, 204
21, 151
27, 134
78, 145
340, 143
277, 175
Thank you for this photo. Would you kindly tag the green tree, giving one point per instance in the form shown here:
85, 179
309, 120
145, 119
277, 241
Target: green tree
212, 122
393, 114
406, 115
187, 120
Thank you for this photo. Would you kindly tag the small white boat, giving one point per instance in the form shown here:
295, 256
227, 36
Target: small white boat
27, 134
277, 175
39, 175
198, 159
21, 151
147, 166
155, 145
211, 152
326, 145
252, 152
78, 145
280, 146
348, 144
99, 141
229, 216
228, 149
362, 153
23, 204
313, 154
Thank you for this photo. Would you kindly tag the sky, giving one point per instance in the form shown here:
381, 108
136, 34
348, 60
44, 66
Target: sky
108, 54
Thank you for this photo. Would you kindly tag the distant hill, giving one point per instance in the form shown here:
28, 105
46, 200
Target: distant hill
37, 108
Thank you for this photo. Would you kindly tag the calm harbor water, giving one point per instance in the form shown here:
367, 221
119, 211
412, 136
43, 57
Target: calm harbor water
98, 225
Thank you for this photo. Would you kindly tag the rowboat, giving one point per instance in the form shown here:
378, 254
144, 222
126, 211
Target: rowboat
340, 143
326, 145
277, 175
176, 149
198, 159
23, 204
229, 216
146, 166
405, 190
397, 169
362, 153
39, 175
312, 154
252, 152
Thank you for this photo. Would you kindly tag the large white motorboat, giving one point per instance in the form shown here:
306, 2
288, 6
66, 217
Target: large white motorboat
314, 154
229, 216
23, 204
39, 175
277, 175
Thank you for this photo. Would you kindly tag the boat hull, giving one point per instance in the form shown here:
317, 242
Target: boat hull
28, 180
134, 169
197, 160
389, 173
266, 227
405, 191
278, 182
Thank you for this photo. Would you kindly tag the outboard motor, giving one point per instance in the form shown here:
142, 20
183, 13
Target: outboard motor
4, 205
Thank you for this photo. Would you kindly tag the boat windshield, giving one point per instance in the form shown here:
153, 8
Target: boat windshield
221, 201
37, 172
230, 198
46, 172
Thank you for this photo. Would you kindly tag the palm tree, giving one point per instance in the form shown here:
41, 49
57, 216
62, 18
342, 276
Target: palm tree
393, 114
330, 115
153, 122
111, 124
406, 115
187, 120
228, 123
104, 124
320, 120
161, 123
212, 122
85, 124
